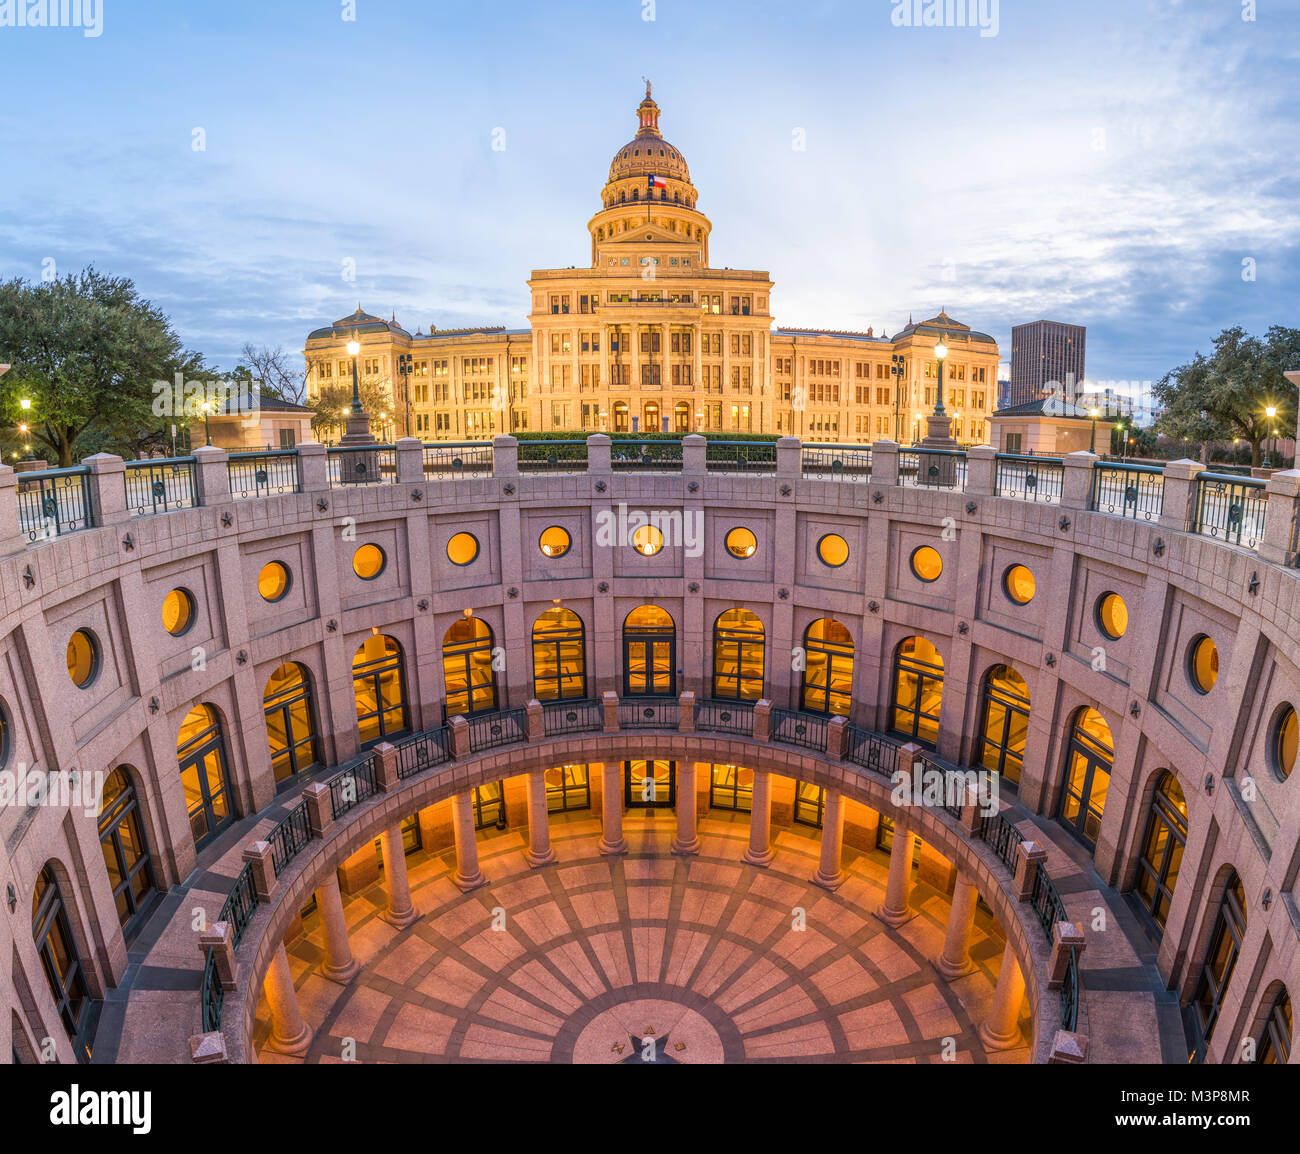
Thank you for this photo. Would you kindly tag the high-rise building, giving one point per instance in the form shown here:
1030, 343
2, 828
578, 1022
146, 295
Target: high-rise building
1044, 353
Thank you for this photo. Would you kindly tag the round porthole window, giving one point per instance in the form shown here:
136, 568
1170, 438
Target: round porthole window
462, 549
926, 563
178, 611
1112, 615
1019, 585
1203, 663
1285, 738
83, 658
648, 540
741, 542
833, 550
368, 562
273, 581
554, 542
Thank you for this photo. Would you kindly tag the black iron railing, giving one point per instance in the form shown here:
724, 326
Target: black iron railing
740, 457
1136, 491
447, 460
52, 502
1002, 838
351, 787
648, 713
1230, 508
212, 994
803, 729
1028, 478
504, 727
648, 456
160, 486
240, 904
423, 751
871, 751
1070, 992
1046, 903
289, 837
350, 465
932, 468
552, 456
263, 474
572, 717
725, 717
837, 462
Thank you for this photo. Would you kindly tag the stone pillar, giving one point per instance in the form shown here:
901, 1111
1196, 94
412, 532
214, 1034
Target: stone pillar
1076, 489
1067, 940
1029, 860
212, 475
611, 837
12, 537
1178, 504
687, 840
760, 851
981, 470
220, 939
320, 811
686, 711
540, 851
313, 468
258, 854
290, 1034
410, 460
955, 961
536, 720
789, 458
884, 462
108, 487
505, 457
829, 874
1001, 1029
1280, 540
598, 451
609, 711
762, 720
468, 876
694, 453
896, 911
339, 965
401, 911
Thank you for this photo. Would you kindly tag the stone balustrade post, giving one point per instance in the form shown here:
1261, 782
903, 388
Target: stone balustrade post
981, 470
789, 458
220, 939
884, 463
1076, 489
12, 538
208, 1049
1281, 539
972, 808
320, 808
1029, 860
686, 711
609, 708
459, 736
410, 461
505, 456
1178, 505
313, 467
211, 475
837, 738
1067, 939
598, 453
386, 779
695, 451
536, 720
1068, 1049
763, 720
108, 488
258, 855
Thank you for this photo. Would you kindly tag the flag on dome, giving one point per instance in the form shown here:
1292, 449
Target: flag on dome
657, 182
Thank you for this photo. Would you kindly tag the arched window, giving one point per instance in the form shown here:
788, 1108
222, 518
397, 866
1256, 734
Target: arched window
681, 417
58, 953
201, 756
1005, 723
469, 681
559, 656
1162, 849
918, 690
1221, 956
828, 668
290, 723
1087, 775
126, 852
1274, 1047
621, 423
649, 653
651, 412
379, 688
738, 656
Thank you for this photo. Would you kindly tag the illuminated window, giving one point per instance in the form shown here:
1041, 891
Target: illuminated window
647, 540
273, 581
201, 758
554, 542
1112, 616
828, 669
379, 689
83, 658
918, 690
833, 550
1005, 723
178, 611
1286, 731
1087, 780
1162, 849
368, 562
489, 805
731, 787
650, 784
1275, 1045
125, 850
926, 563
568, 788
58, 953
741, 542
809, 804
290, 723
469, 680
1203, 663
462, 549
738, 656
1019, 585
649, 653
1220, 958
559, 656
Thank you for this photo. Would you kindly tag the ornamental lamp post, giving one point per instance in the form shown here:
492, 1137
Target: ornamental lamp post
405, 367
358, 420
1270, 411
1094, 413
940, 355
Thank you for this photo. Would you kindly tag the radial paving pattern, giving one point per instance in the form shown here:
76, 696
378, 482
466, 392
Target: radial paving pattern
646, 957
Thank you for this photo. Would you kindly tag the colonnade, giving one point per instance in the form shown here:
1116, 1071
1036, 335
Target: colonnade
1000, 1030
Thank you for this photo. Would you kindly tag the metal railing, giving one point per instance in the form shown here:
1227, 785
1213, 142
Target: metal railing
837, 462
53, 502
289, 837
350, 465
353, 786
803, 729
1028, 478
1136, 491
715, 716
552, 456
871, 751
451, 460
740, 457
1002, 838
211, 993
160, 486
650, 456
932, 468
1070, 992
240, 904
1046, 903
505, 727
572, 717
648, 713
1231, 509
263, 474
423, 751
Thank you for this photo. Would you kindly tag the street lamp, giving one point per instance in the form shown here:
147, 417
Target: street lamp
1094, 413
1123, 440
897, 367
354, 350
205, 407
405, 367
940, 355
1270, 412
916, 432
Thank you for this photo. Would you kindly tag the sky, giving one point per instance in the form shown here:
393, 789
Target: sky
260, 167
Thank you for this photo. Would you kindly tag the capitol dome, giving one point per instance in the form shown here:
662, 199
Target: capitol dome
648, 153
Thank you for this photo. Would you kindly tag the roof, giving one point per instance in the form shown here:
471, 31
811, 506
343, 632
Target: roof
359, 322
1045, 407
839, 334
472, 331
942, 325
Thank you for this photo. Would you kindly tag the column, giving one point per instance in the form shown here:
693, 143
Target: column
895, 911
687, 840
760, 851
829, 875
401, 911
540, 852
611, 838
339, 965
468, 876
1001, 1029
955, 961
289, 1033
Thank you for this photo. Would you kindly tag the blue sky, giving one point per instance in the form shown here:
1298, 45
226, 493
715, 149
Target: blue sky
1107, 162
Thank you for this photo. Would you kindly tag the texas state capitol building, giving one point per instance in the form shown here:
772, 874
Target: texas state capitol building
652, 338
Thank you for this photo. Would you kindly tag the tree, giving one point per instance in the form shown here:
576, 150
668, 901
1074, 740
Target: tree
278, 373
1225, 395
86, 351
329, 403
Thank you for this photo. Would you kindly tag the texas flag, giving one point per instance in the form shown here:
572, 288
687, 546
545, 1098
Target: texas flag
656, 182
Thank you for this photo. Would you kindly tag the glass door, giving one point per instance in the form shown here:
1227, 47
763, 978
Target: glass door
650, 784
